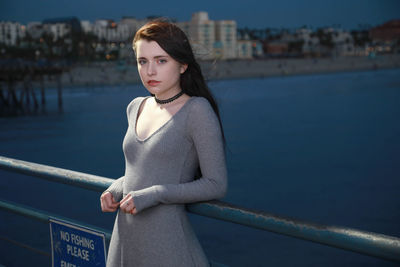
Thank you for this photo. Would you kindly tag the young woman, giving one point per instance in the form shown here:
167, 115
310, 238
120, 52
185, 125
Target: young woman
173, 136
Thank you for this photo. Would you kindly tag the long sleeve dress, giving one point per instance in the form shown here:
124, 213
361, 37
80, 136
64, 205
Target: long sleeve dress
159, 175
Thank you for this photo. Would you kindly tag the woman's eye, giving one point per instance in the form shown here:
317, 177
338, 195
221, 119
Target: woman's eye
141, 62
161, 61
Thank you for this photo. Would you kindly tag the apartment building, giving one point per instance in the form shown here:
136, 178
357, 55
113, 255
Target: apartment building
132, 24
58, 30
11, 32
201, 32
111, 31
35, 29
211, 39
225, 37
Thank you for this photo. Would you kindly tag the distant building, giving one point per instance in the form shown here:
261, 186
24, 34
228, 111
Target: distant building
86, 26
304, 42
58, 27
211, 39
58, 30
288, 43
342, 41
35, 29
244, 49
310, 42
388, 32
110, 31
385, 38
276, 48
301, 42
73, 22
201, 32
11, 33
133, 25
247, 49
225, 35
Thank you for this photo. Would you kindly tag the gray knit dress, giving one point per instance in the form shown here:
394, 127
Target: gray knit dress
159, 175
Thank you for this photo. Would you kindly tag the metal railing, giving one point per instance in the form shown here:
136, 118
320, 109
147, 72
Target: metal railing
372, 244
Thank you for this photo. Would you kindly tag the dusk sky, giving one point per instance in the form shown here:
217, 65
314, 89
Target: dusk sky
250, 13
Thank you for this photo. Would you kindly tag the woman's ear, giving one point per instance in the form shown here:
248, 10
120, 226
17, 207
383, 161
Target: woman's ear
183, 68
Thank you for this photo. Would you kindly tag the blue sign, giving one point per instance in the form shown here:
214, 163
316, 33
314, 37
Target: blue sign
76, 246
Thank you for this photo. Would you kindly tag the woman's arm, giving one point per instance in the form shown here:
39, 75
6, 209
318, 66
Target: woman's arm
116, 189
204, 130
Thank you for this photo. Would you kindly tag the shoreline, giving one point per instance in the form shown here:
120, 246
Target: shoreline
111, 73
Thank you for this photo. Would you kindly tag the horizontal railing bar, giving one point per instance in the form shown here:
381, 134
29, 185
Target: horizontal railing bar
368, 243
54, 174
25, 246
373, 244
44, 216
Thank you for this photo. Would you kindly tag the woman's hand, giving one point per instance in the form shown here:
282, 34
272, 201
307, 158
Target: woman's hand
127, 205
108, 203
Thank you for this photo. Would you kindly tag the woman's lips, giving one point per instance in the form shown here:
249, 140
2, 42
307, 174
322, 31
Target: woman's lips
153, 82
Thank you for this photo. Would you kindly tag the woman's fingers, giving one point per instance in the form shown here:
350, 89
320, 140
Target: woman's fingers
127, 205
108, 203
126, 198
133, 211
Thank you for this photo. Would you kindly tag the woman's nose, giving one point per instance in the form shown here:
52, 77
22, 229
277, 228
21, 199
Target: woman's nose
151, 69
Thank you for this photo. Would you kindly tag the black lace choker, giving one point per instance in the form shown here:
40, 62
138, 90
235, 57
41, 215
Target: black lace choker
161, 101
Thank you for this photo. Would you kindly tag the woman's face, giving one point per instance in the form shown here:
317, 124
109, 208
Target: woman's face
159, 72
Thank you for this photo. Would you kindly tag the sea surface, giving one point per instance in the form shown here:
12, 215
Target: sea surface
323, 148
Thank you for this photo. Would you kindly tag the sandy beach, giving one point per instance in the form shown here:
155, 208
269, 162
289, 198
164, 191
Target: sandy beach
113, 73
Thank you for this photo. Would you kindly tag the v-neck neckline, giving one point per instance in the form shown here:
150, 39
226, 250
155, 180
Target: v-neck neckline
162, 126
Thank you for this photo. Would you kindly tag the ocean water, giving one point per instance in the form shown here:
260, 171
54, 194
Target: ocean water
322, 148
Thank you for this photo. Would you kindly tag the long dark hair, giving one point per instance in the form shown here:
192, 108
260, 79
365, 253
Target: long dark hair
175, 42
